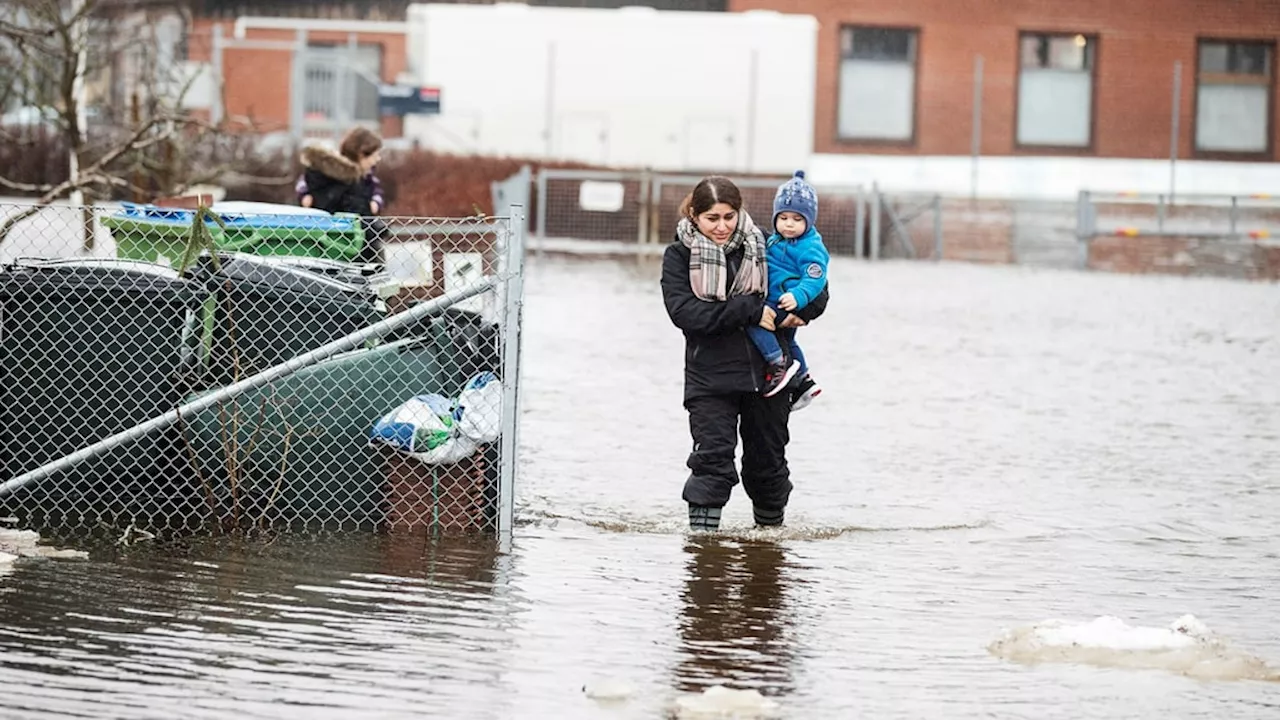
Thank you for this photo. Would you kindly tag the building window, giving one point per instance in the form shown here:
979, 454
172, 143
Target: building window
1233, 96
342, 79
877, 84
1055, 90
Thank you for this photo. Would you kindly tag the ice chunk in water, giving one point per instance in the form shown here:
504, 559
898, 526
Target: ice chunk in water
26, 543
1116, 634
718, 701
1185, 646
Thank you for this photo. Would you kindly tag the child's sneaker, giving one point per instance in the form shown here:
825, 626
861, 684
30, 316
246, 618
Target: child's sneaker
806, 393
777, 375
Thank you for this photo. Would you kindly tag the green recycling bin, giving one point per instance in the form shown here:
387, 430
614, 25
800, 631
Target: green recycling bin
159, 234
298, 448
262, 312
89, 348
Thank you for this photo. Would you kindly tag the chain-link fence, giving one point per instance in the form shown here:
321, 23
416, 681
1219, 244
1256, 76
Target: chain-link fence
585, 211
906, 226
256, 366
589, 211
1232, 236
840, 213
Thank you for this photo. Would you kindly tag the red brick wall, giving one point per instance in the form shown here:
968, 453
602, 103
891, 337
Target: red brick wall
1138, 42
1185, 256
257, 81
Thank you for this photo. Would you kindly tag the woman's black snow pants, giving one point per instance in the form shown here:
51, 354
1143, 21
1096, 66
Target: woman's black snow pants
715, 422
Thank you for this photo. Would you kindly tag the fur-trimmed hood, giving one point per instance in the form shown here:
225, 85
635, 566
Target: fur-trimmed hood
326, 161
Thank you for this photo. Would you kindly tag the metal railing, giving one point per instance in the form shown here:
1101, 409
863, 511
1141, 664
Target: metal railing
1220, 217
258, 367
1224, 235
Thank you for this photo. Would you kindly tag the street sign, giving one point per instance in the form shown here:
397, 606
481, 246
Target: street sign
408, 100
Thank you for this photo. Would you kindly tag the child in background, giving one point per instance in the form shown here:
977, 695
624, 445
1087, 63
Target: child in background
346, 181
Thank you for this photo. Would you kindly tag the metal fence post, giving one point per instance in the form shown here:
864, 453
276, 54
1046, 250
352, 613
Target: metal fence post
1235, 215
348, 107
542, 210
860, 223
511, 371
655, 210
975, 149
1174, 130
875, 221
216, 109
937, 227
298, 85
642, 197
1084, 231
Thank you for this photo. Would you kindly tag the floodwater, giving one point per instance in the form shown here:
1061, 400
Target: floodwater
997, 447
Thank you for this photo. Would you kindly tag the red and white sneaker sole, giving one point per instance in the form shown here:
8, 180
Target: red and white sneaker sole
803, 401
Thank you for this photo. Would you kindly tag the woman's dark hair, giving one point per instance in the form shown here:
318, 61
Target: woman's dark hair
709, 191
359, 142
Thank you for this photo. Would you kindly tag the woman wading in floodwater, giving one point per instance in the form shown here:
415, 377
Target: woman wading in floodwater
714, 278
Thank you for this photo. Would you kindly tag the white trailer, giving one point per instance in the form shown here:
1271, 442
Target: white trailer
631, 87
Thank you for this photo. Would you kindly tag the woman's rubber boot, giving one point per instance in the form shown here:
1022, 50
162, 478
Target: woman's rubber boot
768, 518
702, 517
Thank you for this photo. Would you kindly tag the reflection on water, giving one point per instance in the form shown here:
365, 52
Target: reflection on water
994, 448
735, 616
300, 622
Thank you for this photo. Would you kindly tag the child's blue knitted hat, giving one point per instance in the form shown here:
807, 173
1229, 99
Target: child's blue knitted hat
797, 196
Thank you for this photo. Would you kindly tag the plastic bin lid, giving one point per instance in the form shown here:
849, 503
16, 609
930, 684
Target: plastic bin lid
324, 266
33, 275
368, 275
271, 275
243, 215
240, 207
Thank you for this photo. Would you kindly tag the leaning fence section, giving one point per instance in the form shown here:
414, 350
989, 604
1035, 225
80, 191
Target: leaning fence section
251, 367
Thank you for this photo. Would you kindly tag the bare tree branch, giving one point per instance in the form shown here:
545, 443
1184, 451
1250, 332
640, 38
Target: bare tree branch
158, 148
20, 35
24, 187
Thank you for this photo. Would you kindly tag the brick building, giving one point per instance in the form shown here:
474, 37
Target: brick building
259, 72
1091, 78
257, 62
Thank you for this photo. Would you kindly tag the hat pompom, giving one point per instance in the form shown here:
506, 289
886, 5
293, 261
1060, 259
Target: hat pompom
800, 174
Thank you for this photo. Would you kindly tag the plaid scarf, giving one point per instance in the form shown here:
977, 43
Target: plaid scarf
707, 264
